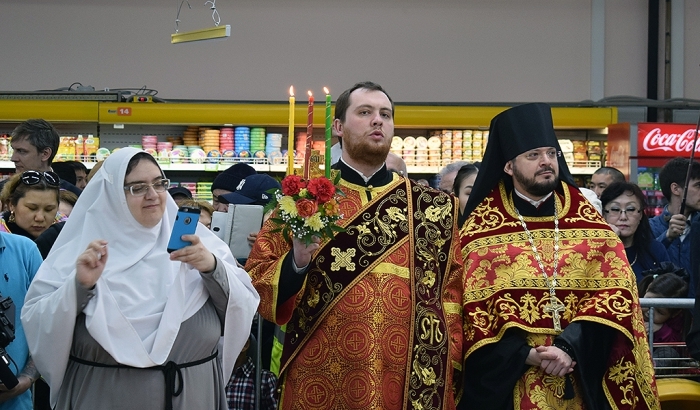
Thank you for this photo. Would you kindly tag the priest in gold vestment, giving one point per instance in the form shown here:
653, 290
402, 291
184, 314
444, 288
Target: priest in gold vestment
373, 316
551, 314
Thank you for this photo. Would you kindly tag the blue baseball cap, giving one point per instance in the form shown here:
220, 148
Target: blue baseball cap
252, 190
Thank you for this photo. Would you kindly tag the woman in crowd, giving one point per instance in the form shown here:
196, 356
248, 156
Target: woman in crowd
623, 208
113, 320
464, 181
67, 201
207, 210
32, 199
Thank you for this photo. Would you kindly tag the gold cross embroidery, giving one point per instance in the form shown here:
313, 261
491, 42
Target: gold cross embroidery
343, 259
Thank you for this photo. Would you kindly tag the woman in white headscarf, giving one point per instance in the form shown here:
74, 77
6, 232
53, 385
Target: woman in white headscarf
114, 321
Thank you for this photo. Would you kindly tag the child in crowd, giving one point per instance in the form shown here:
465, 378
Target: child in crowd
668, 323
240, 390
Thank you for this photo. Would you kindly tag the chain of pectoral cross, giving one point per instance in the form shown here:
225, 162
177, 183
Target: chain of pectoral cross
554, 307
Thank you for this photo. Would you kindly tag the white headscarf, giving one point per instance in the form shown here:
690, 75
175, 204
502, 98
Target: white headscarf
141, 297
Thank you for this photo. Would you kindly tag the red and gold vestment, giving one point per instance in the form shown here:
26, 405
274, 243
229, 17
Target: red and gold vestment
506, 294
377, 323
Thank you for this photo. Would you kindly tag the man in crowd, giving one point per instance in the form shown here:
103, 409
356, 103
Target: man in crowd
180, 194
551, 315
673, 228
394, 163
34, 145
227, 182
447, 176
603, 177
373, 316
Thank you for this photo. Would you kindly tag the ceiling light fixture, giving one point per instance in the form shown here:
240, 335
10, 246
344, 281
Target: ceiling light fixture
203, 34
210, 33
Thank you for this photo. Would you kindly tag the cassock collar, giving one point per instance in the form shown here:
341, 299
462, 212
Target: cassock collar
531, 201
380, 178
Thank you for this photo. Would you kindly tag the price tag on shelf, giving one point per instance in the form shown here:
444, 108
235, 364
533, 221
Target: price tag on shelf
211, 167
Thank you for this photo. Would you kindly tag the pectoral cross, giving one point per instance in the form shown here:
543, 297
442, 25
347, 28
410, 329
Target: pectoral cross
554, 307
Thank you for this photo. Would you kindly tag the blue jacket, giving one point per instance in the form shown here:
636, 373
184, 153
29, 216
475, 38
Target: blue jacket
19, 261
679, 251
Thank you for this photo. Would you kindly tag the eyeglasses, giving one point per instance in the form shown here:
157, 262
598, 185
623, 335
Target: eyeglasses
34, 177
536, 155
140, 189
629, 211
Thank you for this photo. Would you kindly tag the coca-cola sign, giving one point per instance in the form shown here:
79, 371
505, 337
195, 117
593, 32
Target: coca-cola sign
665, 140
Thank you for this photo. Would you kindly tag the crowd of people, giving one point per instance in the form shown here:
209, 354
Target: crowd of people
506, 287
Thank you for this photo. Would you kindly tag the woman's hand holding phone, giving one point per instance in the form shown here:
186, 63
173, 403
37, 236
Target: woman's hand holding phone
196, 254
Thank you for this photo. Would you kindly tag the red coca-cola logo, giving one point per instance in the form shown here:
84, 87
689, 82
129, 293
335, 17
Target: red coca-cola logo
668, 140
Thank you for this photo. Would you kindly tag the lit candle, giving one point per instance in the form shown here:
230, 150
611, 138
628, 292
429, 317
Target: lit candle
309, 135
327, 163
290, 138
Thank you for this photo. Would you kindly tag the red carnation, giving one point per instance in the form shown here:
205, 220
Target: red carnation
306, 207
292, 184
322, 189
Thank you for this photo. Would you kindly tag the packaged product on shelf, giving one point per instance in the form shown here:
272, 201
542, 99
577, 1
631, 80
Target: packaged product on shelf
580, 146
467, 154
580, 157
66, 149
566, 145
4, 147
594, 147
90, 146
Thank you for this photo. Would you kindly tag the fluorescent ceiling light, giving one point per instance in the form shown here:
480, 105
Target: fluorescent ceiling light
204, 34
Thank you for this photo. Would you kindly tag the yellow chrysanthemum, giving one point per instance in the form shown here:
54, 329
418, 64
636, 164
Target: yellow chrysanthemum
314, 222
288, 206
304, 193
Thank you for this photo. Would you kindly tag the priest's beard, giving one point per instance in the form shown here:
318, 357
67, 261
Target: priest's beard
367, 153
534, 188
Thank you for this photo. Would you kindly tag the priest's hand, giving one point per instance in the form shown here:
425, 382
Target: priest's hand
304, 253
555, 361
91, 263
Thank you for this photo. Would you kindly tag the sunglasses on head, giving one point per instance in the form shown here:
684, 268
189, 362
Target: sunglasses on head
34, 177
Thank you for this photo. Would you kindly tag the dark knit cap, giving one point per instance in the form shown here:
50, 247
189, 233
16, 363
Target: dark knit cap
232, 176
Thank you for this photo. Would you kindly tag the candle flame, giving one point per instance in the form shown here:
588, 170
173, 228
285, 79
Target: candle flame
310, 94
325, 90
291, 91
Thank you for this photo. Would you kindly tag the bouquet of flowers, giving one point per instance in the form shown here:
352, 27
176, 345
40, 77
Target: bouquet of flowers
307, 208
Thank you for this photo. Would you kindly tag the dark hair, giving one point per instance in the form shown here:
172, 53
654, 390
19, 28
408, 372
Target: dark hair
77, 166
667, 285
643, 235
343, 102
614, 173
134, 161
15, 189
464, 172
65, 171
676, 171
40, 133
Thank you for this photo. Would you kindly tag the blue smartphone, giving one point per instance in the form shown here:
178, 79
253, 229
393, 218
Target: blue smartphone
185, 224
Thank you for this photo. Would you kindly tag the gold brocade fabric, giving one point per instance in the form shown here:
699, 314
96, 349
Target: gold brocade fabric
505, 288
358, 353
